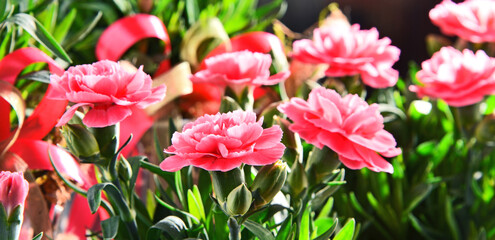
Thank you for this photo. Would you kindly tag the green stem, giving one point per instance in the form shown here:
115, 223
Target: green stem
235, 229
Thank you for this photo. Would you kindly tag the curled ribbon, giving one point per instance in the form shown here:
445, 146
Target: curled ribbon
46, 114
128, 31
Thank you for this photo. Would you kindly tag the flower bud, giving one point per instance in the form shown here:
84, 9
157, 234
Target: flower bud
124, 169
239, 200
225, 182
13, 192
81, 142
297, 179
321, 164
268, 182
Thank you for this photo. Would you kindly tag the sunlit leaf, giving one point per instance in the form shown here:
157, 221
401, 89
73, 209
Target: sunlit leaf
38, 32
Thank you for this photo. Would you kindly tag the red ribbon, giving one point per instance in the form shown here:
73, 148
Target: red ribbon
46, 114
125, 32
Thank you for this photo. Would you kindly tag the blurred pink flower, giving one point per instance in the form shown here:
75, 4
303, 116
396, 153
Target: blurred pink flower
239, 69
13, 190
472, 20
458, 78
348, 126
349, 51
107, 89
224, 141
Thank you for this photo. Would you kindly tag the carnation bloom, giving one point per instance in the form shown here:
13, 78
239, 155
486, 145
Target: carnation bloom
349, 51
107, 89
13, 190
239, 69
348, 126
223, 142
458, 78
472, 20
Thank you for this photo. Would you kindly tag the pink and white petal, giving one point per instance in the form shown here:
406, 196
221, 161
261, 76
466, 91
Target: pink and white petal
308, 132
352, 164
274, 79
373, 161
246, 133
174, 163
69, 113
269, 137
157, 94
263, 156
211, 163
103, 117
339, 144
87, 97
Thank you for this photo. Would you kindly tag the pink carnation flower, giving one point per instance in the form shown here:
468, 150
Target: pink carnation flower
458, 78
224, 141
239, 69
13, 190
349, 51
107, 89
348, 126
472, 20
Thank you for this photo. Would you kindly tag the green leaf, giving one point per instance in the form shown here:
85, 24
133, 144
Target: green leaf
192, 11
94, 200
5, 8
417, 194
285, 229
323, 223
258, 230
40, 76
84, 32
327, 208
173, 226
347, 232
38, 237
193, 206
197, 196
38, 32
305, 226
63, 27
135, 165
110, 227
170, 207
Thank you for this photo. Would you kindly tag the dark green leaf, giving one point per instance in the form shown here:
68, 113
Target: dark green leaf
84, 32
110, 227
173, 226
258, 230
38, 32
38, 237
40, 76
63, 27
285, 229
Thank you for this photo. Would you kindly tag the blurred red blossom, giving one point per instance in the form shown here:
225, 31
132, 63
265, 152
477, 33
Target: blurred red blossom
472, 20
458, 78
349, 51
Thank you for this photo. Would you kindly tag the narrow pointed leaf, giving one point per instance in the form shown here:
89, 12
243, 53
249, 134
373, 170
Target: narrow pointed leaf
38, 32
258, 230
